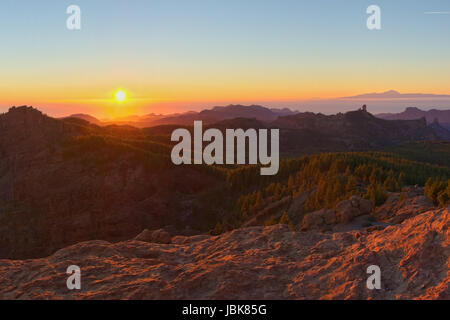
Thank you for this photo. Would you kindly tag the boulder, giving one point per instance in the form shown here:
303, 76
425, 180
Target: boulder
156, 236
354, 207
318, 218
345, 212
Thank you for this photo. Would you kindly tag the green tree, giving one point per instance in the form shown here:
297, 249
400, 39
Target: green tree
218, 229
285, 219
376, 194
270, 222
291, 183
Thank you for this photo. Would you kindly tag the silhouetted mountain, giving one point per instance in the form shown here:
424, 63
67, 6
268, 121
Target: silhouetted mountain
308, 132
217, 114
411, 113
283, 112
356, 130
392, 94
440, 131
86, 117
63, 181
208, 116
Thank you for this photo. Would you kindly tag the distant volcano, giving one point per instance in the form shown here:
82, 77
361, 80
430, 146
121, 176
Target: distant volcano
392, 94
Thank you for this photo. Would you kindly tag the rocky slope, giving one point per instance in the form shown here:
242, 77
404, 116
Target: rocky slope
251, 263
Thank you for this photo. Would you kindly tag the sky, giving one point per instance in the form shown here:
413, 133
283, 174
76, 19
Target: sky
179, 55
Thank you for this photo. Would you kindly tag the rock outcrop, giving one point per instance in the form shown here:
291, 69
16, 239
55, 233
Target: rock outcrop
156, 236
344, 212
400, 206
250, 263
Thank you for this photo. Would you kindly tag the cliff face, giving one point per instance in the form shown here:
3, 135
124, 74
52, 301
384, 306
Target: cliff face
251, 263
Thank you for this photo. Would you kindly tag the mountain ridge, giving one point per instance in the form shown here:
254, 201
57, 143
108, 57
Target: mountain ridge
208, 116
411, 113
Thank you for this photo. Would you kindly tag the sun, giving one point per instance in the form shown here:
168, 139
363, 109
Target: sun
120, 95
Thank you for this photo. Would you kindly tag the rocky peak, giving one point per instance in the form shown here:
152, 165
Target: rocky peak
25, 117
27, 129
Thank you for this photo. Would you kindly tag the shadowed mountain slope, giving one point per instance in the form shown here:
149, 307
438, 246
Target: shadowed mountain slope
412, 113
65, 181
309, 132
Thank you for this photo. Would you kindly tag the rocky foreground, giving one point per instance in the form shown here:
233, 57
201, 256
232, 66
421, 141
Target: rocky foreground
251, 263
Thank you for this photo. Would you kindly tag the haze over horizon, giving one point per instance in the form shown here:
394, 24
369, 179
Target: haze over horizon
386, 102
174, 56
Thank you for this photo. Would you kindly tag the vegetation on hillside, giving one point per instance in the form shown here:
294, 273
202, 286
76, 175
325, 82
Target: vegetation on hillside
329, 178
438, 191
427, 151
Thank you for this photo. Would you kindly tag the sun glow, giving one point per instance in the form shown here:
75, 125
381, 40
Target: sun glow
120, 95
121, 104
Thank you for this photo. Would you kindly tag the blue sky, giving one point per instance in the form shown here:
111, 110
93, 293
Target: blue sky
187, 52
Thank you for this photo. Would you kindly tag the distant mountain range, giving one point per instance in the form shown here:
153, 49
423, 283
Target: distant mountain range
392, 94
86, 117
439, 120
432, 116
309, 132
208, 116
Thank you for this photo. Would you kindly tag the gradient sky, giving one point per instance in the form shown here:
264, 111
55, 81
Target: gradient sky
174, 55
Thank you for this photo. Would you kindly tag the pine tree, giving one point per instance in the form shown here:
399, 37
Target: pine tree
270, 222
291, 183
286, 220
218, 229
401, 179
376, 194
259, 203
433, 189
390, 184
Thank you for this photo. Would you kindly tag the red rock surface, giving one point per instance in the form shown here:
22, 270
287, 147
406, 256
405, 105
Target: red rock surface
252, 263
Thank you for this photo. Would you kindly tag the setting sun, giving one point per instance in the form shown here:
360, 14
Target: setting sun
120, 95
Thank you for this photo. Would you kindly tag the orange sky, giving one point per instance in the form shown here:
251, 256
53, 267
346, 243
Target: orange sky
177, 56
